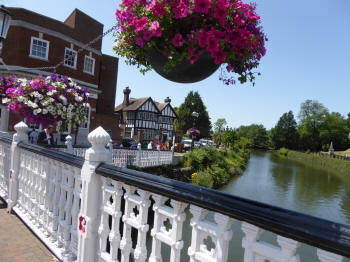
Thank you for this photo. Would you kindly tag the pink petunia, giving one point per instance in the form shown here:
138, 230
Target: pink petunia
147, 36
180, 10
178, 40
219, 56
141, 24
192, 59
139, 41
202, 38
159, 9
213, 44
202, 6
155, 29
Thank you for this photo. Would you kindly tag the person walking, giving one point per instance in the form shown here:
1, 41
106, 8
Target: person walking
150, 145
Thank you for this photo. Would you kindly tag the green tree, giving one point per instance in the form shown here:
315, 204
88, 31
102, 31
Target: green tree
285, 133
334, 129
256, 134
219, 126
229, 137
193, 102
311, 116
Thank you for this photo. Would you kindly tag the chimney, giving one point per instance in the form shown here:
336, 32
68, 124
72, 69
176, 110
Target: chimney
167, 100
126, 92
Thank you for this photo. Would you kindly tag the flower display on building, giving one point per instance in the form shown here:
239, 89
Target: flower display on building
182, 30
54, 100
7, 82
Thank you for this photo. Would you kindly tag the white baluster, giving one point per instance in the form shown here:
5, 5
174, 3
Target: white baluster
69, 144
325, 256
91, 197
198, 214
21, 135
252, 234
288, 249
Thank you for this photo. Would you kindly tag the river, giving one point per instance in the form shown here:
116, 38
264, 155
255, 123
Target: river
284, 183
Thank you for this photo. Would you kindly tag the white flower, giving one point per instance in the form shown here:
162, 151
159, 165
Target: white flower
5, 100
45, 111
78, 98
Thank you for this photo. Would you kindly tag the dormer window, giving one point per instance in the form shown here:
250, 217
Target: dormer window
39, 48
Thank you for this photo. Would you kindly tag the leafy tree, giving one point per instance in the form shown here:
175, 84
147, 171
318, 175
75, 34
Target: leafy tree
312, 116
218, 129
193, 102
334, 128
256, 134
229, 137
285, 133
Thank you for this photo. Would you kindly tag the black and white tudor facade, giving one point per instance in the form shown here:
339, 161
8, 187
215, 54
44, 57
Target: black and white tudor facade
144, 119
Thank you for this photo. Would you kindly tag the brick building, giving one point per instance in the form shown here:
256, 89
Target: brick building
144, 119
34, 40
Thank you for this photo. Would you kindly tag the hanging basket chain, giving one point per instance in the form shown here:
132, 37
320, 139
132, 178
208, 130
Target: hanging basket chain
62, 62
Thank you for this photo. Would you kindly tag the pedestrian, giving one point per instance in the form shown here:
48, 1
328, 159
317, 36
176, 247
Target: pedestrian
33, 136
45, 137
150, 145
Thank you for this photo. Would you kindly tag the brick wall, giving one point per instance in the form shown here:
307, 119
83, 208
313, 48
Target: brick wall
107, 84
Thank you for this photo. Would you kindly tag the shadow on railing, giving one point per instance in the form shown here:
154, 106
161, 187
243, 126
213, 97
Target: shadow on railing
88, 210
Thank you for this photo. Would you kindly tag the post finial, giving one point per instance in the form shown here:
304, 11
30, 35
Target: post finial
21, 127
99, 137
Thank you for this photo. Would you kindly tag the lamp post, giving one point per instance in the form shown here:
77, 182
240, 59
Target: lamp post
5, 19
195, 116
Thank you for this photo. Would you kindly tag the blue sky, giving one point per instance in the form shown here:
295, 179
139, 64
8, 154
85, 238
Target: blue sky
308, 57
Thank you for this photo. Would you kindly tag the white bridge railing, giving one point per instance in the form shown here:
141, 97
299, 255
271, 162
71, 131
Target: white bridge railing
89, 210
128, 157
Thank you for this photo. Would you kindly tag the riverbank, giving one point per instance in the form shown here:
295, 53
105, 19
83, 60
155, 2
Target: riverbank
338, 167
205, 166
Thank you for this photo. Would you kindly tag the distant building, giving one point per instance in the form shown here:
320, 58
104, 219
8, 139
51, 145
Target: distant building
35, 40
144, 119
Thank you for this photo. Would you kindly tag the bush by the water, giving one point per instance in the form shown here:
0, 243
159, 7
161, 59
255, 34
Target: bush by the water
215, 167
283, 151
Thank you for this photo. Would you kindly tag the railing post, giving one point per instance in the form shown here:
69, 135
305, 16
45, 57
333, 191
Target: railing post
110, 148
21, 135
91, 196
172, 154
139, 154
158, 155
69, 144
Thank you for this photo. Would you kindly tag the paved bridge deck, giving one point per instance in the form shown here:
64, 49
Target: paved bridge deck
17, 242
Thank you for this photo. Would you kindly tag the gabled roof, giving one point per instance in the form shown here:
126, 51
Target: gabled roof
161, 106
134, 104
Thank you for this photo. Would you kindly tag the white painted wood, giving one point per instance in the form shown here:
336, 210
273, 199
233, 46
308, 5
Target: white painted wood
5, 159
219, 232
325, 256
89, 216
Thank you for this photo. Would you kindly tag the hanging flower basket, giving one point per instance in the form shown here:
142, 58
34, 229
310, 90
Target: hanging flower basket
187, 40
51, 100
193, 132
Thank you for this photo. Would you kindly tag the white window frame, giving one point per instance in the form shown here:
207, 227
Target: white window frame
46, 58
93, 65
75, 58
88, 120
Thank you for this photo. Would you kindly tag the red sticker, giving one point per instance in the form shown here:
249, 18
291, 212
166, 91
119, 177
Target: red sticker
82, 224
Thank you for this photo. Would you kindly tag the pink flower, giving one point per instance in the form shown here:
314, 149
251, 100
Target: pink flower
219, 56
202, 6
141, 24
213, 44
159, 9
155, 29
139, 41
178, 40
202, 38
220, 14
151, 5
147, 36
193, 58
181, 10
